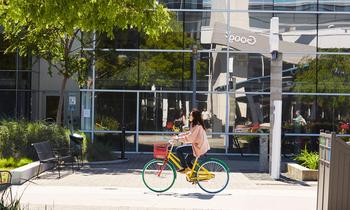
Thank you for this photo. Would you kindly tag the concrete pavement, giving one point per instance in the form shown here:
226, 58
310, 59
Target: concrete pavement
70, 197
120, 186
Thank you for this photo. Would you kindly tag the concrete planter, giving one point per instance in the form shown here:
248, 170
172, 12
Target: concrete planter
301, 173
25, 173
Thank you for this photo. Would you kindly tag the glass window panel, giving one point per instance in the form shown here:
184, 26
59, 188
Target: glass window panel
24, 105
86, 106
7, 104
299, 73
250, 111
217, 143
173, 39
295, 5
294, 144
334, 33
124, 39
170, 112
206, 77
7, 79
8, 61
166, 71
213, 108
300, 114
333, 74
112, 110
146, 142
335, 5
243, 143
24, 80
113, 142
194, 4
310, 114
260, 4
117, 70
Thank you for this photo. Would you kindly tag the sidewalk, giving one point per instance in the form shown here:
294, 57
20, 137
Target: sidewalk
119, 186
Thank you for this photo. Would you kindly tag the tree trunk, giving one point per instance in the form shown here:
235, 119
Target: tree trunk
60, 103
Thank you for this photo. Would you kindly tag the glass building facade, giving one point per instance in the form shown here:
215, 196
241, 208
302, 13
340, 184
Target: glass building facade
145, 85
15, 84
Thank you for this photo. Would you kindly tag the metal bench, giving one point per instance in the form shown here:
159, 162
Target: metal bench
48, 155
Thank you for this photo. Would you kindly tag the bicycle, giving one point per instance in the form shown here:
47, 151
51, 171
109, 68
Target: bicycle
159, 174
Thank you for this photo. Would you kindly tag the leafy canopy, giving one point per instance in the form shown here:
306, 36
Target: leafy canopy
50, 29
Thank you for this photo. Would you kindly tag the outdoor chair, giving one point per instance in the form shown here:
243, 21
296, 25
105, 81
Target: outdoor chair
5, 185
48, 155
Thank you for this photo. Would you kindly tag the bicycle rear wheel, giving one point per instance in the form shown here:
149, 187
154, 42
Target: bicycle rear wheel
213, 176
157, 176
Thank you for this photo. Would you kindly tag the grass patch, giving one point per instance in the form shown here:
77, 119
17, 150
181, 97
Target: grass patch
11, 163
308, 159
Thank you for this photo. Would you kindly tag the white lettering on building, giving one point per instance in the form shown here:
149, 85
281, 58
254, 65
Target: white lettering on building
232, 37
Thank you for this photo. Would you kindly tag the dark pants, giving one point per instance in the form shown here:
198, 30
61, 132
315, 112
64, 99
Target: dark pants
185, 154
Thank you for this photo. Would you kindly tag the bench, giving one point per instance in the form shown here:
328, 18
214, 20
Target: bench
48, 155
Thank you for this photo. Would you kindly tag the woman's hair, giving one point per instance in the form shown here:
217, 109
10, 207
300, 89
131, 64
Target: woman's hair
197, 118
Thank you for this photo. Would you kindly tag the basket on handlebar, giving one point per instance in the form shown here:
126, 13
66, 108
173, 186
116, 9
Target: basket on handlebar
160, 150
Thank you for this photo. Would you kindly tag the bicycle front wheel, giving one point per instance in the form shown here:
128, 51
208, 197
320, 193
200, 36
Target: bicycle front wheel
213, 176
157, 176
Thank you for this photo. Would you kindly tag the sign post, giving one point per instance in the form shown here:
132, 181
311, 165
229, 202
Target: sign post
72, 103
275, 100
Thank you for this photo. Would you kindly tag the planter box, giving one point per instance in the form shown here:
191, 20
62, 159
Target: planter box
25, 173
301, 173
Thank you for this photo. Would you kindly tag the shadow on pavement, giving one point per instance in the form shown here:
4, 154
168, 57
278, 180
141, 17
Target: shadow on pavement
201, 196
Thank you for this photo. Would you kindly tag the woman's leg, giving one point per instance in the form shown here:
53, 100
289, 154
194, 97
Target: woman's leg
181, 151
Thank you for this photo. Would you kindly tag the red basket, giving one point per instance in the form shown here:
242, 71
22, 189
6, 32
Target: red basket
160, 151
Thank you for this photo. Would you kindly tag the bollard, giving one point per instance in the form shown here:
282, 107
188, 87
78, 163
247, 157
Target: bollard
123, 142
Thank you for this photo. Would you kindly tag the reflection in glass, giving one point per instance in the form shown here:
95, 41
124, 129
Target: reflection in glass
7, 104
113, 110
243, 144
146, 142
334, 33
329, 113
117, 70
113, 142
169, 112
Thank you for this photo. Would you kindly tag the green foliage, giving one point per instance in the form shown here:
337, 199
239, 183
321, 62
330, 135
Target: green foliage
106, 123
52, 29
308, 159
10, 163
333, 76
16, 137
99, 152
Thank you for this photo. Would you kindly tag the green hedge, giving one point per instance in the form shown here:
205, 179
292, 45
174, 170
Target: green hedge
16, 138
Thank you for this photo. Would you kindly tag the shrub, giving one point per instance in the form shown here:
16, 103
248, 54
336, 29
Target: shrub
16, 137
308, 159
10, 163
23, 161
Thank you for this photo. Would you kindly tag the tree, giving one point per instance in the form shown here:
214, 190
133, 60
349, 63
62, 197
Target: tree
52, 29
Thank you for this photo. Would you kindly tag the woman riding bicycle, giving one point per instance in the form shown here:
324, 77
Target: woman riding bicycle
196, 136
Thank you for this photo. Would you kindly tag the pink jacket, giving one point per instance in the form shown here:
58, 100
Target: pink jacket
198, 137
